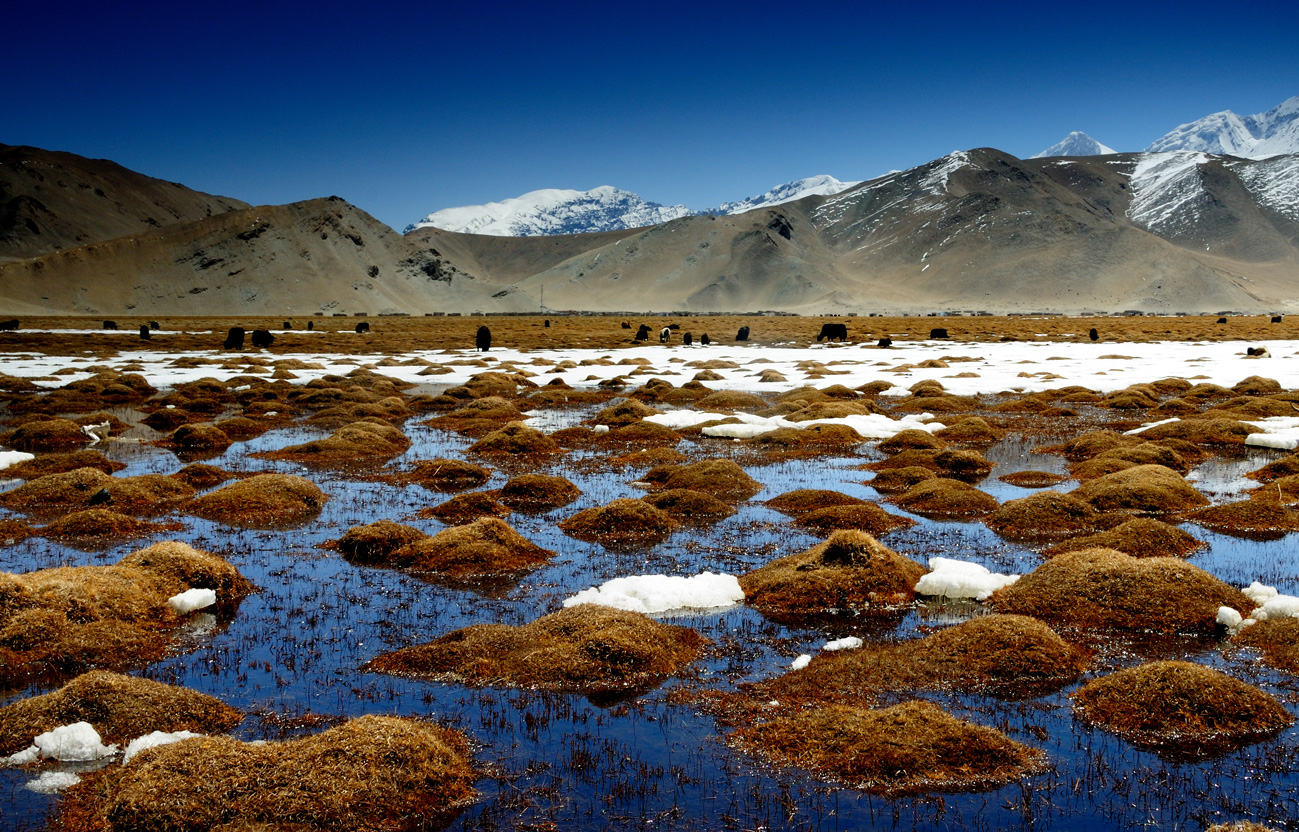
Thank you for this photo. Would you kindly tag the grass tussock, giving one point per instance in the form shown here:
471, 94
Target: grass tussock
1142, 489
812, 439
61, 463
1210, 432
446, 475
942, 497
722, 478
1108, 590
804, 500
1140, 537
623, 522
13, 532
197, 437
58, 493
899, 480
624, 413
1277, 639
120, 708
642, 434
850, 571
686, 506
261, 501
729, 401
1286, 466
99, 527
350, 445
1265, 516
466, 508
908, 748
516, 439
866, 517
967, 466
1180, 707
649, 457
971, 430
376, 543
538, 492
582, 649
372, 773
200, 476
1032, 479
486, 547
909, 439
1046, 515
47, 435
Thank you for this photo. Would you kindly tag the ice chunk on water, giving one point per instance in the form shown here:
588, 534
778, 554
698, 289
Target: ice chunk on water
153, 740
960, 579
659, 593
1229, 618
846, 643
25, 757
52, 782
191, 599
1259, 593
78, 742
801, 662
1278, 606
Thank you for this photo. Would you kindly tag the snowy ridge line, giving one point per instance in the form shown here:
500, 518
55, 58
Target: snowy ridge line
1164, 186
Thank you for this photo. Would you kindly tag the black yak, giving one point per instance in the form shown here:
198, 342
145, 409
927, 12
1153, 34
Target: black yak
885, 342
311, 325
938, 333
743, 334
833, 331
144, 332
1222, 320
110, 324
1258, 352
287, 325
235, 338
362, 327
642, 334
154, 325
1276, 319
665, 334
262, 338
9, 325
688, 339
704, 339
483, 340
1093, 334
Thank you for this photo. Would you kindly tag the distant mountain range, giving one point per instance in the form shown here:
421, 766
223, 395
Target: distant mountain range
1075, 144
555, 211
1259, 136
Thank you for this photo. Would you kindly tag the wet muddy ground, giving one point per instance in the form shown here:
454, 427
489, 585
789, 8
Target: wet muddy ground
292, 656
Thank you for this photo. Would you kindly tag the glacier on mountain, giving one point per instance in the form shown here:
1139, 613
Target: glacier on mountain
1259, 136
1076, 143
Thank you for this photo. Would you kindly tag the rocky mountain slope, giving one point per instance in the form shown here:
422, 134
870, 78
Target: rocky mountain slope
51, 201
1259, 136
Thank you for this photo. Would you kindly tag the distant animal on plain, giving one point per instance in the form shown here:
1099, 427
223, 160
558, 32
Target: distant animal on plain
311, 325
704, 340
665, 334
9, 325
1276, 319
1258, 352
1222, 320
642, 334
154, 325
832, 332
626, 325
483, 340
885, 342
743, 334
362, 327
938, 333
110, 324
262, 338
287, 325
687, 339
234, 338
144, 332
1093, 334
674, 327
548, 323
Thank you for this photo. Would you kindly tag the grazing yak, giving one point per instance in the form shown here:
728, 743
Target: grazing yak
311, 325
234, 338
9, 325
1093, 334
665, 334
154, 325
262, 338
362, 327
743, 334
1258, 352
885, 342
832, 332
548, 323
1276, 319
626, 325
110, 324
483, 340
144, 332
704, 340
687, 339
938, 333
642, 334
1222, 320
287, 325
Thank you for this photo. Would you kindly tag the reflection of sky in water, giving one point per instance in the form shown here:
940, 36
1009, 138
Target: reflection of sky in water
296, 648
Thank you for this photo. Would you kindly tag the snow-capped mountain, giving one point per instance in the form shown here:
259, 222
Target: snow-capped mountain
555, 211
1252, 137
1076, 143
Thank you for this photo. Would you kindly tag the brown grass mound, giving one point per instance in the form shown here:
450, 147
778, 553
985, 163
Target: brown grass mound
1140, 537
376, 543
68, 619
46, 435
1145, 489
199, 476
1009, 655
1202, 431
120, 708
942, 497
968, 466
721, 478
1033, 479
686, 506
1105, 589
866, 517
1179, 707
1286, 466
516, 439
911, 438
850, 571
446, 475
358, 443
1262, 517
898, 480
13, 532
971, 430
369, 774
1047, 515
1147, 453
538, 492
622, 522
1090, 444
908, 748
57, 493
261, 501
240, 428
1240, 826
98, 527
583, 649
833, 409
624, 413
63, 462
466, 508
729, 400
810, 439
487, 547
810, 499
1278, 639
199, 437
642, 434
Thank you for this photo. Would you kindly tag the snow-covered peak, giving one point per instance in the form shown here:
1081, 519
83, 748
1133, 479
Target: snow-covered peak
1253, 137
1166, 188
554, 211
788, 192
1076, 143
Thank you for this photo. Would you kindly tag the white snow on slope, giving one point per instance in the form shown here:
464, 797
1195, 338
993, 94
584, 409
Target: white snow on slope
1252, 137
555, 211
1164, 186
935, 181
1076, 143
788, 192
1273, 182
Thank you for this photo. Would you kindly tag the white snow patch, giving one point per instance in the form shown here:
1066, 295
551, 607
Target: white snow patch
661, 593
961, 579
52, 782
192, 599
801, 662
1164, 186
845, 643
153, 740
78, 742
8, 458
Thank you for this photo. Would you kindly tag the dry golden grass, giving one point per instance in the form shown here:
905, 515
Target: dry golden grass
47, 435
720, 478
866, 517
1108, 590
1286, 466
1046, 515
804, 500
200, 476
1277, 639
908, 748
899, 480
970, 430
1265, 516
584, 649
729, 401
58, 493
1140, 537
808, 441
850, 571
61, 463
466, 508
120, 708
623, 522
538, 492
1142, 489
911, 438
261, 501
445, 475
624, 413
371, 774
486, 547
376, 543
1240, 826
357, 444
13, 532
1180, 707
691, 507
942, 497
516, 439
967, 466
641, 435
1032, 479
98, 527
1211, 432
198, 437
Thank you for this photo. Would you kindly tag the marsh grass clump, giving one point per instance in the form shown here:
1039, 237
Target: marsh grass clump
850, 571
642, 435
486, 547
909, 439
813, 439
1201, 431
1032, 479
942, 497
908, 748
261, 501
729, 401
446, 475
722, 478
99, 527
1277, 639
585, 648
898, 480
46, 435
537, 492
376, 543
1090, 444
1108, 590
1286, 466
1140, 537
970, 430
200, 476
1046, 515
370, 774
691, 507
967, 466
626, 412
623, 522
57, 493
803, 500
350, 445
866, 517
13, 532
197, 437
61, 463
1264, 516
516, 439
1180, 709
1142, 489
120, 708
466, 508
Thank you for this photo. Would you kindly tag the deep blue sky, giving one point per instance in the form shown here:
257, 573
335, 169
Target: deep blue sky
406, 108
